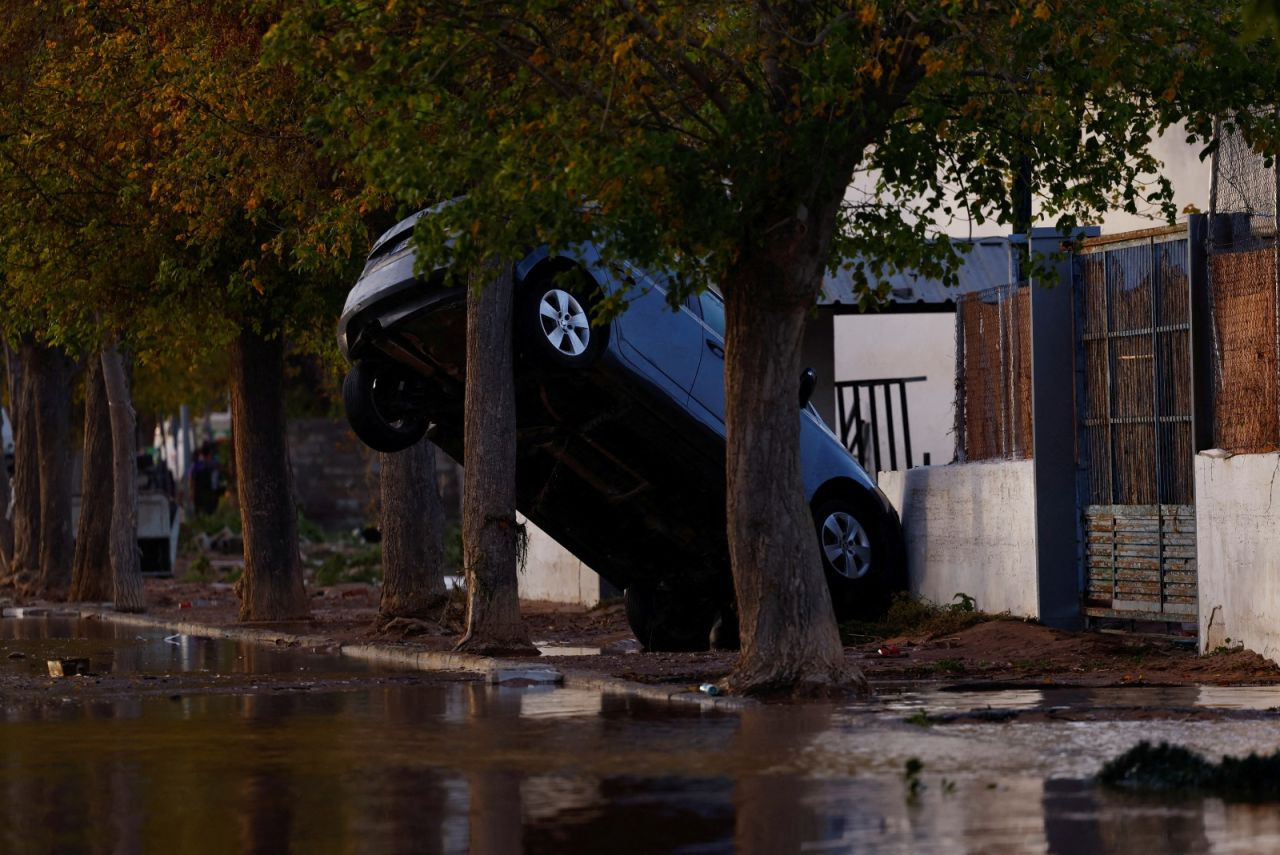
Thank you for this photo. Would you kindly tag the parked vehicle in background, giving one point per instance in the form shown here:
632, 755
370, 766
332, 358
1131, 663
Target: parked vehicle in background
620, 429
159, 517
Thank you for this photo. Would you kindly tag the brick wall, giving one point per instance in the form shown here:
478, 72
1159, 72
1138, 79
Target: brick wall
335, 476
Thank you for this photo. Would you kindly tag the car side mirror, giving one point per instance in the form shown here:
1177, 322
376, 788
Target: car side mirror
808, 380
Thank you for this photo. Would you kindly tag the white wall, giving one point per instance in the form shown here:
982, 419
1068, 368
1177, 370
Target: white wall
1180, 163
874, 347
1189, 175
1238, 551
554, 575
970, 528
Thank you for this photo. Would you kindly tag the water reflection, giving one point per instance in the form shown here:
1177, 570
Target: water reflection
465, 767
907, 700
115, 649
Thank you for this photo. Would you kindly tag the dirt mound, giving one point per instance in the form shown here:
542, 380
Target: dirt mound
1010, 651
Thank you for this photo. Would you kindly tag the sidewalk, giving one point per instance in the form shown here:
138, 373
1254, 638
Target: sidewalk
594, 648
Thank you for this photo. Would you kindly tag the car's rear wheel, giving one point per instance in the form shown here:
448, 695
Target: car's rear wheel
669, 619
554, 321
385, 405
855, 557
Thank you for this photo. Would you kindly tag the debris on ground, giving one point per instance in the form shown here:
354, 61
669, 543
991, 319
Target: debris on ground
915, 643
1166, 767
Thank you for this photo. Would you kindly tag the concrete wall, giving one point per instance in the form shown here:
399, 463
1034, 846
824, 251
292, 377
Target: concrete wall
919, 344
970, 528
1238, 551
552, 574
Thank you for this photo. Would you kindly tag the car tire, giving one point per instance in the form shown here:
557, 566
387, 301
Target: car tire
379, 397
553, 321
666, 620
861, 572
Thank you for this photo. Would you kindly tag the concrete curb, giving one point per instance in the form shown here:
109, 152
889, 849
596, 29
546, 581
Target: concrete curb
495, 671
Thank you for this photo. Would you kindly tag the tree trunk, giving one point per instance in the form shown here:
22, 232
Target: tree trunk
412, 534
91, 567
790, 642
126, 572
6, 493
52, 396
271, 587
6, 520
492, 540
26, 474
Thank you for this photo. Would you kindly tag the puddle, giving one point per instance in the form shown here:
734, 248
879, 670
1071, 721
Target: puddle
550, 649
26, 644
906, 701
468, 767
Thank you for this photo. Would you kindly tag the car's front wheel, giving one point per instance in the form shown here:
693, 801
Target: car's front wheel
855, 557
384, 404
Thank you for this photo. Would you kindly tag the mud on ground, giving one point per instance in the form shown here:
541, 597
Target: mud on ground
998, 651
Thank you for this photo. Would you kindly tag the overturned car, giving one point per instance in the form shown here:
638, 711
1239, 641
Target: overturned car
620, 429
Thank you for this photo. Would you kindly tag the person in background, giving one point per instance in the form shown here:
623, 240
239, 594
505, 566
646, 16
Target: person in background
206, 480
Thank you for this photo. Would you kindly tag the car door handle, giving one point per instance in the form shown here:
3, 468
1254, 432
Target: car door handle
715, 348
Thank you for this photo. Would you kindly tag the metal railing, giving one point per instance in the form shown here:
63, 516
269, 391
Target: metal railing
867, 406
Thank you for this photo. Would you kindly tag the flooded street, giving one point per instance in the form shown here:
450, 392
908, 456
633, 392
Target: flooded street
348, 759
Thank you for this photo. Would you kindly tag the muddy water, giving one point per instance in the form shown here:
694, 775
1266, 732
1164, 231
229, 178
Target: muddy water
27, 644
463, 767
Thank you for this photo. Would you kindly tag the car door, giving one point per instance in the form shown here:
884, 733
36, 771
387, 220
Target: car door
663, 344
707, 401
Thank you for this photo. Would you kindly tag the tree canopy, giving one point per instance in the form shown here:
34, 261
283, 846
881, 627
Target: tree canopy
720, 141
680, 131
161, 182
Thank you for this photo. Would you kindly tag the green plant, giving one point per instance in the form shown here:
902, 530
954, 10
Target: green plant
920, 718
224, 517
1167, 767
363, 564
912, 615
308, 530
911, 774
199, 569
967, 603
1227, 646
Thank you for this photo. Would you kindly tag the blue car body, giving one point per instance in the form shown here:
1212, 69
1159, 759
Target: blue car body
622, 462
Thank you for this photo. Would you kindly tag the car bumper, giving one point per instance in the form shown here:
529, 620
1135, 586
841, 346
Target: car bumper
388, 293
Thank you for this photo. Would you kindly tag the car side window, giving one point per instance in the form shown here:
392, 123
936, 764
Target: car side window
712, 311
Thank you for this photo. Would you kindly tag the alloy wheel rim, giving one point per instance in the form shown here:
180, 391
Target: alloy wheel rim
846, 545
564, 322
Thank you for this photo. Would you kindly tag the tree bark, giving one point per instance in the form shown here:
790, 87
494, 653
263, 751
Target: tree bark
492, 539
790, 642
6, 520
126, 572
6, 488
50, 389
91, 566
26, 475
271, 587
412, 534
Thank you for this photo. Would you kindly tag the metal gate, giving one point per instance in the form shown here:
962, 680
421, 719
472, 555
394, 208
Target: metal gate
1134, 405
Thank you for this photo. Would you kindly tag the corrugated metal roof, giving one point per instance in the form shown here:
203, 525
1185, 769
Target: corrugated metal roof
989, 262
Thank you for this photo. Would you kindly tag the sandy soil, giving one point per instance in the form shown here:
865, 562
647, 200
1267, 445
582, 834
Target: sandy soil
995, 653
